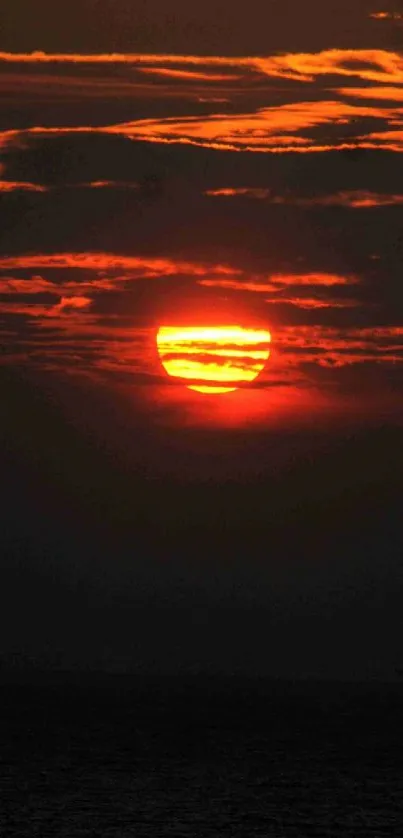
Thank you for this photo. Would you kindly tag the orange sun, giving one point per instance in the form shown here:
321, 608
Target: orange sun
215, 359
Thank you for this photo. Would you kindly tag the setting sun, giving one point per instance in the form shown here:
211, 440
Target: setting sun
213, 359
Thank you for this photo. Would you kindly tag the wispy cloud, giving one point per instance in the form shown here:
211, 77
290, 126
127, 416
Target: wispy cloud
67, 303
26, 186
276, 129
96, 261
21, 186
285, 127
311, 303
277, 281
187, 75
335, 118
329, 346
231, 192
357, 199
303, 291
391, 140
369, 64
390, 94
386, 16
39, 310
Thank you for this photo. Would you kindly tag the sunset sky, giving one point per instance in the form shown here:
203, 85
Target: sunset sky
172, 167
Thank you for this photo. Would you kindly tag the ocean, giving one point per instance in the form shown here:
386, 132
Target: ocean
117, 758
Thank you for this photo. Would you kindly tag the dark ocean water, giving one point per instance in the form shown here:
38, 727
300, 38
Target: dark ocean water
116, 759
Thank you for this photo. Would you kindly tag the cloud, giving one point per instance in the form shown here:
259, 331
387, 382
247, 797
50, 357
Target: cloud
276, 280
329, 346
322, 337
387, 140
25, 186
35, 285
313, 302
391, 93
97, 261
19, 290
368, 64
21, 186
188, 75
290, 127
247, 192
268, 129
386, 16
302, 291
107, 184
67, 303
39, 310
357, 199
302, 125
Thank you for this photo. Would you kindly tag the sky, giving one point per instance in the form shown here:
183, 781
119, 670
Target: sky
166, 166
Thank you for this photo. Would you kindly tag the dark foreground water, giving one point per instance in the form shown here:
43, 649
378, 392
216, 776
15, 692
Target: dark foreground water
116, 759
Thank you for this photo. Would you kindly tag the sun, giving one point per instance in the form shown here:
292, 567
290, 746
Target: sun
213, 359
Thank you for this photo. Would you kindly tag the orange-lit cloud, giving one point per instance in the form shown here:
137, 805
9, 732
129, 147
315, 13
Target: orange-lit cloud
35, 285
21, 186
273, 128
40, 310
377, 341
188, 75
391, 93
97, 261
318, 279
290, 127
275, 281
247, 192
26, 186
369, 64
108, 184
387, 140
360, 199
312, 302
296, 284
38, 285
67, 303
356, 199
9, 138
78, 293
386, 16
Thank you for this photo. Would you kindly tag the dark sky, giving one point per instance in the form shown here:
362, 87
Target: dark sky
207, 28
160, 167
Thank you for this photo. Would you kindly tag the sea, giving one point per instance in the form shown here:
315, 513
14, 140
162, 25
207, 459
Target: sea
118, 757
